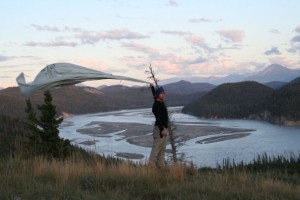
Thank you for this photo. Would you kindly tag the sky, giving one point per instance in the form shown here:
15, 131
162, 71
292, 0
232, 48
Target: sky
178, 38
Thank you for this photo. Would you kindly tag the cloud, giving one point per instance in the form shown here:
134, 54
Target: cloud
91, 37
297, 29
73, 29
272, 51
276, 31
167, 67
232, 35
168, 64
45, 28
181, 33
296, 39
7, 67
179, 65
294, 49
172, 3
295, 43
5, 58
282, 61
55, 43
203, 20
198, 60
196, 40
97, 65
5, 77
88, 37
140, 48
197, 20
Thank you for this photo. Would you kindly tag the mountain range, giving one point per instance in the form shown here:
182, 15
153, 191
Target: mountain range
80, 100
250, 99
272, 73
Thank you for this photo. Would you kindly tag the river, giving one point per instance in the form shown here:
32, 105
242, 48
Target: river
265, 138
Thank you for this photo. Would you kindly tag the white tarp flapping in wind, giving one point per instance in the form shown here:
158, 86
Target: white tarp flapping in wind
60, 74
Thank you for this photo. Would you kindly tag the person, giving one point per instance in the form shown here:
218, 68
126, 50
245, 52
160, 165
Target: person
160, 129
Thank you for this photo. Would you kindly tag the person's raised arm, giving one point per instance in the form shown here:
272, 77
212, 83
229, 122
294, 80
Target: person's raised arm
152, 89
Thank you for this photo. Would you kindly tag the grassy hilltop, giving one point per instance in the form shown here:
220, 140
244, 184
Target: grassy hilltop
95, 178
86, 175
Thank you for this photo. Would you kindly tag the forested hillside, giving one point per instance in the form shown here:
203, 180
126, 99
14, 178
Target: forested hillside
80, 100
73, 100
231, 100
12, 132
248, 99
286, 101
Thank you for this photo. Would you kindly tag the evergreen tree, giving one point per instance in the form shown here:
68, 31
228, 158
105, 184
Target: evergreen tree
52, 145
34, 140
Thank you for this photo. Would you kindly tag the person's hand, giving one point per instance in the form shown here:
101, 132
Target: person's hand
164, 132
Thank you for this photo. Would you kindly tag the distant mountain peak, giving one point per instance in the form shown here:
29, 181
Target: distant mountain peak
184, 81
275, 67
275, 70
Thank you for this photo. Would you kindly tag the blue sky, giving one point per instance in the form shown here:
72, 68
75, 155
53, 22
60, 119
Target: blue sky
179, 38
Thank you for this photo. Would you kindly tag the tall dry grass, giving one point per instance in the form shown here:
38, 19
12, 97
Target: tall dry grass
93, 178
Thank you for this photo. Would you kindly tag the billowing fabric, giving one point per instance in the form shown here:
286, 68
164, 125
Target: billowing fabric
61, 74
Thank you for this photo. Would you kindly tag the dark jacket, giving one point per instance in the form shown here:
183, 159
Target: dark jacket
160, 112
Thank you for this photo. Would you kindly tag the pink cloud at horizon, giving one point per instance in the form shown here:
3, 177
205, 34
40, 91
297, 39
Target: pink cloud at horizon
232, 35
